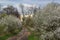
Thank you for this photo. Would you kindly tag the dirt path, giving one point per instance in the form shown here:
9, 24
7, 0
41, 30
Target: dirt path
23, 35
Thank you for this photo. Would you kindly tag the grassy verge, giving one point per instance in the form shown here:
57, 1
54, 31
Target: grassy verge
32, 37
5, 36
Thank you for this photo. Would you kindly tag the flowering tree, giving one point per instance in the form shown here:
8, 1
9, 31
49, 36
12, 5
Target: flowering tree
10, 24
47, 22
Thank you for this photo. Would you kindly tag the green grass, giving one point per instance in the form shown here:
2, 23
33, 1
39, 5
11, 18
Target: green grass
6, 36
31, 37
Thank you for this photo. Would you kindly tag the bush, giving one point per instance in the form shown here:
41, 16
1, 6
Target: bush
3, 15
10, 24
47, 23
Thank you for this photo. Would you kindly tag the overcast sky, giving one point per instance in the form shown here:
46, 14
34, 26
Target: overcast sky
14, 2
29, 2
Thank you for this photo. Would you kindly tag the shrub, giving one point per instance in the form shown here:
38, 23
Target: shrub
46, 23
3, 15
10, 24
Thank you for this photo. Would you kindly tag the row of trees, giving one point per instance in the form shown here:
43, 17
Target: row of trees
45, 23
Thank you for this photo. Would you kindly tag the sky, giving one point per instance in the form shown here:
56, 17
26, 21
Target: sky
16, 2
26, 2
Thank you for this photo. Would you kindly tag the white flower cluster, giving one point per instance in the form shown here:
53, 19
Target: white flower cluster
10, 23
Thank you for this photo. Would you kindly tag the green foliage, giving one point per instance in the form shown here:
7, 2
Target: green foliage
28, 23
31, 37
6, 36
11, 10
3, 15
